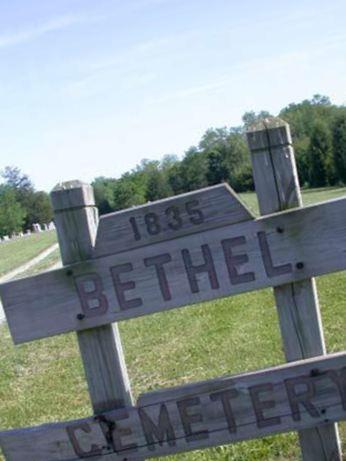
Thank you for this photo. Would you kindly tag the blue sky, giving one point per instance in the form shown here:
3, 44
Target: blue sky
90, 87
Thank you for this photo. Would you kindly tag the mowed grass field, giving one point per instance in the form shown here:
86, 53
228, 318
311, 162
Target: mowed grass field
17, 252
44, 381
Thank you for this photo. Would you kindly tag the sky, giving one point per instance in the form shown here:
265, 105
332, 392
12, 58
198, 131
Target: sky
90, 88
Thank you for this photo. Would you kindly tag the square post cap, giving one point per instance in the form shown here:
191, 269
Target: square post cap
268, 133
72, 194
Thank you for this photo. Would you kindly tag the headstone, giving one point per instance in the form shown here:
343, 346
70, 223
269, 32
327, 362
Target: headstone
36, 228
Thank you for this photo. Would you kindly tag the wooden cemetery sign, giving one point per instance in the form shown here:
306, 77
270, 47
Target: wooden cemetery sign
203, 265
290, 397
183, 250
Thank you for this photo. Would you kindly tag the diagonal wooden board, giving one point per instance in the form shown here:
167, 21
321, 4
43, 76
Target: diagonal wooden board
269, 251
169, 218
294, 396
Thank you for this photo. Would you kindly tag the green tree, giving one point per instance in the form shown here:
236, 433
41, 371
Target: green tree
238, 162
301, 151
23, 189
171, 168
11, 213
302, 118
321, 100
214, 147
126, 194
319, 154
193, 170
157, 185
217, 171
104, 194
14, 178
38, 209
212, 138
227, 156
175, 178
339, 146
151, 180
222, 155
251, 117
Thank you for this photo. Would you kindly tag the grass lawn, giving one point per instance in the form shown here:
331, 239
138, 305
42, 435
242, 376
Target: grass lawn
43, 265
43, 381
16, 252
310, 196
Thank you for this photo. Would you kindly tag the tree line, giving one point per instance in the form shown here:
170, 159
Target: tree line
20, 204
318, 130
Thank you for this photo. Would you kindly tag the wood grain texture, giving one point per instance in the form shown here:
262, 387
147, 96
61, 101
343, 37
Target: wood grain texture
76, 220
240, 257
170, 218
72, 194
198, 415
277, 188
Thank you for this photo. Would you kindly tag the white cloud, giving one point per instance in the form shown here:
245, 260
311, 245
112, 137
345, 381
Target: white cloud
128, 66
139, 4
264, 67
39, 30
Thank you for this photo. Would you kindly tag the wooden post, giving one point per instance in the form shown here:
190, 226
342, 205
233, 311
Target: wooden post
277, 188
76, 220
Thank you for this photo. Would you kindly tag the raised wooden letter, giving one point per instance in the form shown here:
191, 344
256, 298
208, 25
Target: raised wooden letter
188, 419
192, 270
71, 431
163, 429
158, 262
232, 261
260, 405
121, 287
89, 288
304, 398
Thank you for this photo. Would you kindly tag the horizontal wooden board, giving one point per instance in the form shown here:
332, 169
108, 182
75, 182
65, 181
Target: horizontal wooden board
270, 251
294, 396
170, 218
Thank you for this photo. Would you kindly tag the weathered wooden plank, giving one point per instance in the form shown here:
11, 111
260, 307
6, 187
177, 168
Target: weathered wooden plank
75, 195
170, 218
76, 220
269, 251
290, 397
277, 188
274, 168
